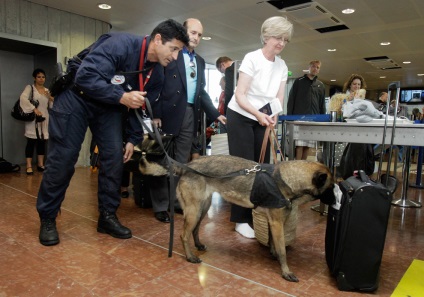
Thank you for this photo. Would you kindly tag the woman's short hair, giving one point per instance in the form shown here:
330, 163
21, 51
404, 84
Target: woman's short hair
36, 71
276, 26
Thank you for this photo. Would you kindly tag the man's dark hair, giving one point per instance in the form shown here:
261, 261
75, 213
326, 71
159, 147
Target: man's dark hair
171, 29
221, 60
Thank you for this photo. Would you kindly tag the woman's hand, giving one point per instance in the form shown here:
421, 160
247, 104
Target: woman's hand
265, 120
37, 112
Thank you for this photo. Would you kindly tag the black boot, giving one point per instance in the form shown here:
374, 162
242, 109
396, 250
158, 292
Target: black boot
109, 223
48, 232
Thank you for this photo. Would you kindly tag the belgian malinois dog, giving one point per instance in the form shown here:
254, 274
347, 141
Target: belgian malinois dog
297, 181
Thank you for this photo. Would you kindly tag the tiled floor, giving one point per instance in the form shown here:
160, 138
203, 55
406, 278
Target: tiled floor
87, 263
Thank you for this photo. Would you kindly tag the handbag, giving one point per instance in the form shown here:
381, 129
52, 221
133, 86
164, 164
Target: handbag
19, 114
270, 135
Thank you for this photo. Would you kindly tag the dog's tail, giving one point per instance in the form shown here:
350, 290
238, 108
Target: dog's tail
148, 168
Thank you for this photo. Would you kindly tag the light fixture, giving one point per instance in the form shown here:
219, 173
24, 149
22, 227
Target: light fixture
385, 43
406, 62
382, 77
348, 10
331, 49
332, 80
420, 74
206, 38
305, 70
104, 6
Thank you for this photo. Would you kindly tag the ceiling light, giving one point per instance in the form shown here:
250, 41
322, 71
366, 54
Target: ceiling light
406, 62
348, 10
104, 6
333, 80
420, 74
307, 70
206, 38
382, 77
384, 43
331, 49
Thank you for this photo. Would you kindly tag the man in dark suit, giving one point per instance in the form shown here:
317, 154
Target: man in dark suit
177, 110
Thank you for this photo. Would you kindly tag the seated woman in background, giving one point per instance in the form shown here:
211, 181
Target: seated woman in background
353, 86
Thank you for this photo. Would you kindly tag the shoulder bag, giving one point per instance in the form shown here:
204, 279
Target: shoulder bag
19, 114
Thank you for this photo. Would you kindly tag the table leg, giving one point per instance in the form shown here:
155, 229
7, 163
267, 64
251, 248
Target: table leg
403, 201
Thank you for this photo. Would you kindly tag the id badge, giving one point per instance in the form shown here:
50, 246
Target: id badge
148, 123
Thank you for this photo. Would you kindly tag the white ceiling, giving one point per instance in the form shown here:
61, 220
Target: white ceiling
234, 26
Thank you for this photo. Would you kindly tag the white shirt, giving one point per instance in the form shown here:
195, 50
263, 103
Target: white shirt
267, 77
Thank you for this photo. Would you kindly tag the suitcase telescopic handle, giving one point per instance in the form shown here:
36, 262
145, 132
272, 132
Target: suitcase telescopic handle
363, 176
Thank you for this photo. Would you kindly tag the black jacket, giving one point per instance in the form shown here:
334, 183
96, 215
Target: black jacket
306, 97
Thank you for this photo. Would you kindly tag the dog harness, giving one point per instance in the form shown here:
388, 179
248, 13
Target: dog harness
265, 192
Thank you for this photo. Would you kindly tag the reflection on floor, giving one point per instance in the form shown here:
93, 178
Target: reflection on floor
87, 263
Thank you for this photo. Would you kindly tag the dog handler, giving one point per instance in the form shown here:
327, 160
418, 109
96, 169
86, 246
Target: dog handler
102, 86
262, 78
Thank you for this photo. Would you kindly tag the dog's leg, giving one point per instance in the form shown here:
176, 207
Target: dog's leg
192, 215
204, 210
276, 223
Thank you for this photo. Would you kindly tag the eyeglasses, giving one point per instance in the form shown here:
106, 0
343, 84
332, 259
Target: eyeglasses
193, 71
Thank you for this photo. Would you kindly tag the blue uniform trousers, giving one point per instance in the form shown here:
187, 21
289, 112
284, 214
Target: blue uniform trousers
70, 117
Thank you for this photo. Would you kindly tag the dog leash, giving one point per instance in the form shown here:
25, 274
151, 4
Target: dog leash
257, 167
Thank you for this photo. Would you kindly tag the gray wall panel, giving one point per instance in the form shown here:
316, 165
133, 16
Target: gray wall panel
12, 17
71, 32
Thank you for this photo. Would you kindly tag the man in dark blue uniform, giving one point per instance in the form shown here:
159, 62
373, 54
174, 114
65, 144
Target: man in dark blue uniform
104, 83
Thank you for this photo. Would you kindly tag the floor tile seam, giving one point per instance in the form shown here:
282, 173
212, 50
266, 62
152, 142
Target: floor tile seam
10, 187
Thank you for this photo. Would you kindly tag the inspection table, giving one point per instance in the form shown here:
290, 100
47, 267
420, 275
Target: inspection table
404, 134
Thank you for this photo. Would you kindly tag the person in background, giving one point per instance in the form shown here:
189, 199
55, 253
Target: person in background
178, 109
36, 132
222, 64
262, 78
103, 84
307, 96
417, 114
353, 85
382, 98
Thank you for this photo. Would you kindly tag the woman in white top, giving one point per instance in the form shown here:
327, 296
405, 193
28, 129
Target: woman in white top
262, 78
42, 95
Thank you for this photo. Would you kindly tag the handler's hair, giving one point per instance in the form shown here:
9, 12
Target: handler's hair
171, 29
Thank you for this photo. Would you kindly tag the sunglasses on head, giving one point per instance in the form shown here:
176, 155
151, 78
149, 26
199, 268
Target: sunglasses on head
193, 71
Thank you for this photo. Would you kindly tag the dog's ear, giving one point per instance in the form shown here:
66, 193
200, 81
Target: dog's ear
319, 179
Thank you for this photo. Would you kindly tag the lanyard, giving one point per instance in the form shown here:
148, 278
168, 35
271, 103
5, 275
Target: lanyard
142, 61
140, 76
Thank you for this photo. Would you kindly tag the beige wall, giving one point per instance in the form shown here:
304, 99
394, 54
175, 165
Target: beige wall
71, 32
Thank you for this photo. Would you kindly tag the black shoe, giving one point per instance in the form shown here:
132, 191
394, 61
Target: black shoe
125, 194
108, 223
40, 168
179, 211
162, 216
48, 232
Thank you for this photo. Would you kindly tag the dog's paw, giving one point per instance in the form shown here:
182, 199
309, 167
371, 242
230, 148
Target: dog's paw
290, 277
194, 259
201, 247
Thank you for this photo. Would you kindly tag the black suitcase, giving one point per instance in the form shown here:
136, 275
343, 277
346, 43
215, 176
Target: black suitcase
355, 234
